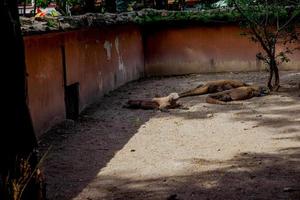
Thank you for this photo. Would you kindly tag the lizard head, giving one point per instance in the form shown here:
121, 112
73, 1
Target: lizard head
173, 96
264, 90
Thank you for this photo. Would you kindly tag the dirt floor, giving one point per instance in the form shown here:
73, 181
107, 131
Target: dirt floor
250, 150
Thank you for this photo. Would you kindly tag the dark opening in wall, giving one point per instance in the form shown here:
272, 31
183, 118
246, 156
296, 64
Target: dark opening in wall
71, 92
72, 101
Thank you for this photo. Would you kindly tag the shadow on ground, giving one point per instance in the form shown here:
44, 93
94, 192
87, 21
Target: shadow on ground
280, 110
80, 150
247, 176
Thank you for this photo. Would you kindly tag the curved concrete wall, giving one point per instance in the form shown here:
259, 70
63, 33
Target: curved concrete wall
102, 59
45, 80
175, 50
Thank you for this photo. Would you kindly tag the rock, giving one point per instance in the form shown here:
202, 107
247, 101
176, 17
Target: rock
210, 115
43, 24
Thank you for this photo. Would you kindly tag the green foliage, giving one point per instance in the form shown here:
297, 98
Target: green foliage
271, 23
52, 23
42, 3
206, 16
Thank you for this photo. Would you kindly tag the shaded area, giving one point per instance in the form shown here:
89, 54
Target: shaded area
246, 176
111, 152
80, 149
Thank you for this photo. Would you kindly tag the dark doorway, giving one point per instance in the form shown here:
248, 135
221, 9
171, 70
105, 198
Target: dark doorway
72, 101
71, 92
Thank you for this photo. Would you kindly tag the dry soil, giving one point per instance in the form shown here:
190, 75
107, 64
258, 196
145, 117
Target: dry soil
250, 150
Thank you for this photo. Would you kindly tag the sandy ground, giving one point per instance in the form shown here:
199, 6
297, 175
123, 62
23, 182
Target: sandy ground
250, 150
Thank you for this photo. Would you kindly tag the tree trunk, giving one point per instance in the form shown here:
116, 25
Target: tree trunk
272, 64
89, 5
17, 120
273, 70
277, 81
17, 137
61, 6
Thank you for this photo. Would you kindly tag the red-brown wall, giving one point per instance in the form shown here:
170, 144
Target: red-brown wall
100, 60
103, 59
45, 80
198, 49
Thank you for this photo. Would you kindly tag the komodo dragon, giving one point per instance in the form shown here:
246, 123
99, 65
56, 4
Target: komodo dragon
213, 87
241, 93
160, 103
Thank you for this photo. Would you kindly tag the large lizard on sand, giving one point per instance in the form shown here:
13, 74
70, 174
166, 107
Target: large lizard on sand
225, 90
213, 87
160, 103
240, 93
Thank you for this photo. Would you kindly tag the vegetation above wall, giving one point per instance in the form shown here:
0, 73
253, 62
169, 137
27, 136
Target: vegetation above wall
151, 16
142, 17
